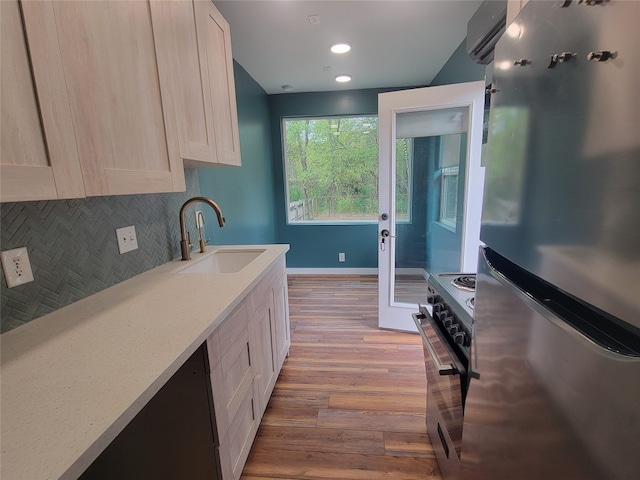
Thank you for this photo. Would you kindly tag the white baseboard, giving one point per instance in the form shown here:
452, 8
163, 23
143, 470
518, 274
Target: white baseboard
332, 271
410, 271
353, 271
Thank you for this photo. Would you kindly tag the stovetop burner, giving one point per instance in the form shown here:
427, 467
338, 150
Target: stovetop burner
465, 282
470, 303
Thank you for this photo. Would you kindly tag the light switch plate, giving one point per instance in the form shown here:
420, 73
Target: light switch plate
127, 239
16, 266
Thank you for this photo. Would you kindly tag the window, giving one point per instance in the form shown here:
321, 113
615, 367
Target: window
404, 175
452, 148
331, 169
449, 196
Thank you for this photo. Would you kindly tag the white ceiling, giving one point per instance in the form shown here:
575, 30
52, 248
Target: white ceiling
395, 43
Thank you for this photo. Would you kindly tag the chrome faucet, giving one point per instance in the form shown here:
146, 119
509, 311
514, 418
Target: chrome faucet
200, 225
184, 243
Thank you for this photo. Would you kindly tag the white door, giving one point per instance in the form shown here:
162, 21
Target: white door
431, 183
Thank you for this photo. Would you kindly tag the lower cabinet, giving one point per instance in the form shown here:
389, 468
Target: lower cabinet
246, 354
235, 396
202, 423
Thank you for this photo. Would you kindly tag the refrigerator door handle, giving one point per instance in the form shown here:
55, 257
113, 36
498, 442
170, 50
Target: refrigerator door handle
603, 348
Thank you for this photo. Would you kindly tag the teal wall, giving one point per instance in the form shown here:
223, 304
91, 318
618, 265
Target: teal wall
317, 246
459, 69
252, 196
245, 194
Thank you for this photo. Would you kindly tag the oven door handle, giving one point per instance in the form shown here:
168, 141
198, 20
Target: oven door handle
443, 369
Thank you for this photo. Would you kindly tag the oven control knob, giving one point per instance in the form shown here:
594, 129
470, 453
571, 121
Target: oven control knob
453, 329
447, 322
433, 298
442, 315
438, 307
460, 338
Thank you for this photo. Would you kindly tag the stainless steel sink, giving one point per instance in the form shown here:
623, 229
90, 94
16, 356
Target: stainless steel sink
223, 261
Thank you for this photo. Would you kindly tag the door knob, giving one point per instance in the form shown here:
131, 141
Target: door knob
385, 234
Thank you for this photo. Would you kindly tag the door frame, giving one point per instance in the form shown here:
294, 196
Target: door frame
397, 316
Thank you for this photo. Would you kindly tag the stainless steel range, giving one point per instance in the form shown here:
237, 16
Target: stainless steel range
445, 323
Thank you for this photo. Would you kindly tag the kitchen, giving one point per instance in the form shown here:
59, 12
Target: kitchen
255, 223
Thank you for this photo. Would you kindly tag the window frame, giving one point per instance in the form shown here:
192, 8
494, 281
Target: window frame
446, 221
283, 138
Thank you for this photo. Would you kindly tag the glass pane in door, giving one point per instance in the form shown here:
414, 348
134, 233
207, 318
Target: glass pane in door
429, 198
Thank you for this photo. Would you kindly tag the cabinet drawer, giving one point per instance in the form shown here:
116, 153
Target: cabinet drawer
231, 381
233, 326
236, 445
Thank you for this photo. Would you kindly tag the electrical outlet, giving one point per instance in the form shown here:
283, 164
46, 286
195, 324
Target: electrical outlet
16, 266
127, 239
341, 257
199, 219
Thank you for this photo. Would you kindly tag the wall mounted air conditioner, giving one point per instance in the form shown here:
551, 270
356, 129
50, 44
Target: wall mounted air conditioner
485, 28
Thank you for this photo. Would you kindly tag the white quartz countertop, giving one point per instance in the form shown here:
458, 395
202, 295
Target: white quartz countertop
73, 379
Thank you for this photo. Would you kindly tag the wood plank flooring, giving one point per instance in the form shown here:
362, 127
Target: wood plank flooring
350, 400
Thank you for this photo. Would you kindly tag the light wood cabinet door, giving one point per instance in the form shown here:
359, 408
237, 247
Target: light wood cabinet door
513, 8
196, 65
282, 325
39, 159
235, 446
179, 60
232, 376
264, 330
214, 41
108, 55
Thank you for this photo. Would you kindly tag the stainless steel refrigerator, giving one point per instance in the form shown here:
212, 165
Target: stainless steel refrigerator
555, 354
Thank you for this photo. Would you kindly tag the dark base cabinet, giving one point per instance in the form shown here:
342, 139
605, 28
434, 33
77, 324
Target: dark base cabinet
173, 437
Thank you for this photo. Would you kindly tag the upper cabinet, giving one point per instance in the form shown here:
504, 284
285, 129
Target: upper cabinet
196, 67
82, 110
108, 55
214, 35
513, 8
112, 98
39, 159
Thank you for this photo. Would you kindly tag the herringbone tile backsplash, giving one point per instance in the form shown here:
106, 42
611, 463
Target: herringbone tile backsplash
73, 249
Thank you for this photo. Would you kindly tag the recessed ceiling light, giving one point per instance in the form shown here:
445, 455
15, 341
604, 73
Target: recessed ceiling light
343, 78
287, 88
341, 48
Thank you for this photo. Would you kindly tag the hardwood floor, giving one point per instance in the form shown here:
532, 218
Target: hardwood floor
350, 400
410, 289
